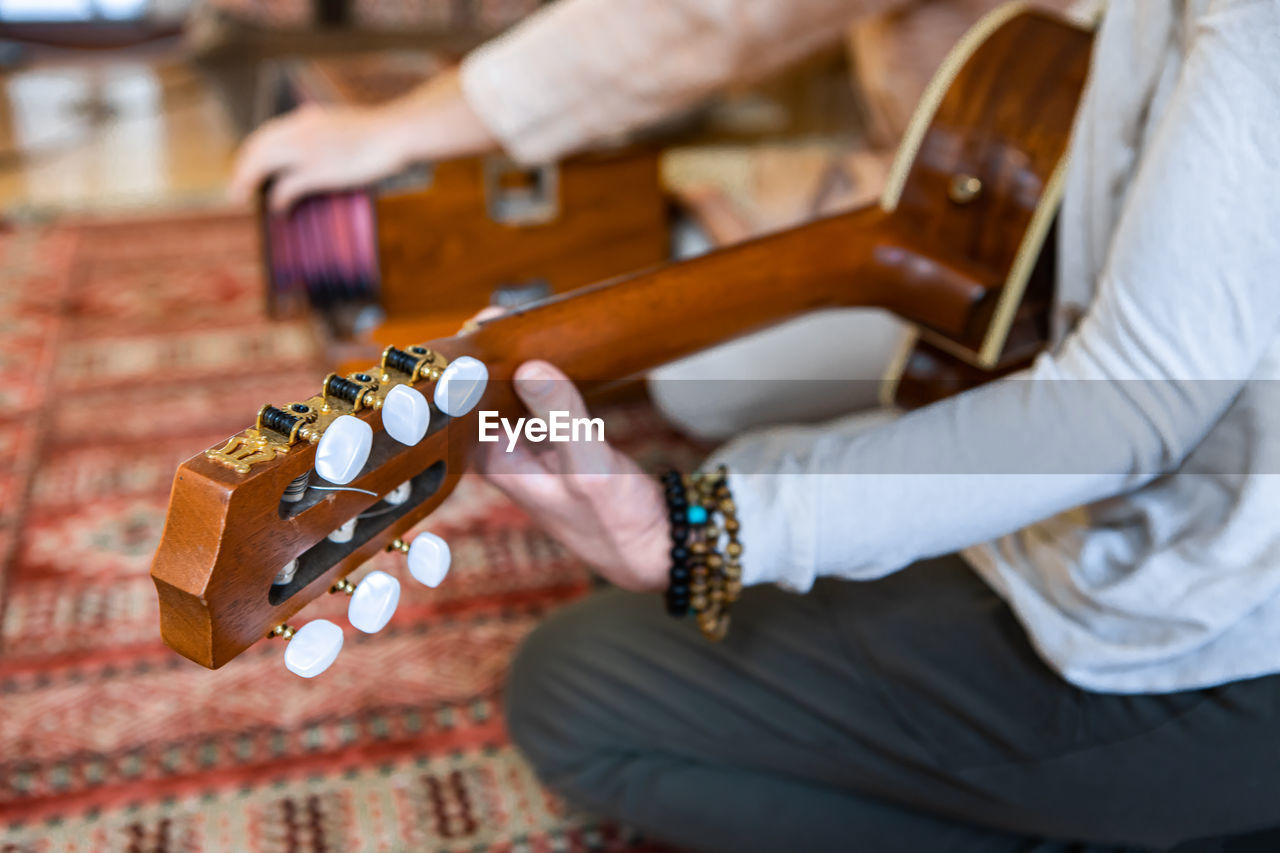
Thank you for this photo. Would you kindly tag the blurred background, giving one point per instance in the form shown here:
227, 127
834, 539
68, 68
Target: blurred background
111, 103
134, 332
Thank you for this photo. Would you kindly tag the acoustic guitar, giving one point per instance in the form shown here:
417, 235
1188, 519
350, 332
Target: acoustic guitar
960, 245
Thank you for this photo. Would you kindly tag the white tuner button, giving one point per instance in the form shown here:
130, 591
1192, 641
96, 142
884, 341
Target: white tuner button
429, 559
400, 493
345, 533
406, 414
313, 649
285, 576
461, 386
374, 602
343, 449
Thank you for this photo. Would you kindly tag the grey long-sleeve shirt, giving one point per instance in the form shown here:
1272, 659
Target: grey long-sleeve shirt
1123, 493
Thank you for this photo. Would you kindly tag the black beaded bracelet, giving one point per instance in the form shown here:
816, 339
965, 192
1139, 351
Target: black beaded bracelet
702, 580
677, 594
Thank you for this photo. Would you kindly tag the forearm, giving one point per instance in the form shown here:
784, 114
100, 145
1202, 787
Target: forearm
585, 70
862, 504
432, 122
582, 71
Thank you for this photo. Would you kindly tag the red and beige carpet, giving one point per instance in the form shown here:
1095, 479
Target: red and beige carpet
124, 348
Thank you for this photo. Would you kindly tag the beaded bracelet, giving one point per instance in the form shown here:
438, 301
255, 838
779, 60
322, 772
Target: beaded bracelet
702, 579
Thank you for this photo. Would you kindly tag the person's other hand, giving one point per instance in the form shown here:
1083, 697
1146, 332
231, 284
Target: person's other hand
314, 149
588, 495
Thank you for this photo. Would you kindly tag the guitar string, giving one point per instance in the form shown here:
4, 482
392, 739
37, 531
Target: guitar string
343, 489
367, 514
297, 489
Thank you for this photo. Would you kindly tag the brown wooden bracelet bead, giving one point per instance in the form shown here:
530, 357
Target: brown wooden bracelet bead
714, 577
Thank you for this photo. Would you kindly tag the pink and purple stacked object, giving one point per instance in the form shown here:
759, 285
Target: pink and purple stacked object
326, 248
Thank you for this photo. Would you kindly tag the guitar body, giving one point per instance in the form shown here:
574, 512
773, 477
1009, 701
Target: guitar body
1000, 110
955, 247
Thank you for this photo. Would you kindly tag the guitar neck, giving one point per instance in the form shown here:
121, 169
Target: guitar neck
621, 328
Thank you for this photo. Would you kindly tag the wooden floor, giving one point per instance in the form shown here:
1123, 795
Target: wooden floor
106, 133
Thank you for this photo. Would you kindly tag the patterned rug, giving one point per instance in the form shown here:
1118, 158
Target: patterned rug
124, 348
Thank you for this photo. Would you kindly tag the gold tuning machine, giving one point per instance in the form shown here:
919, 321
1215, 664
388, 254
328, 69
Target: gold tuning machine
290, 422
274, 432
277, 430
358, 390
417, 362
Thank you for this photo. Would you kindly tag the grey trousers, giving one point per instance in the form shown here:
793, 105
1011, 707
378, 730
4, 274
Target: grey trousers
905, 714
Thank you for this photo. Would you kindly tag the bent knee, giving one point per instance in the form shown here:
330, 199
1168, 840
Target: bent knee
567, 691
531, 700
547, 690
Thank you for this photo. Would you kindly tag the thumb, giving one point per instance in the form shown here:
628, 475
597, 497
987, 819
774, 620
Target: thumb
544, 389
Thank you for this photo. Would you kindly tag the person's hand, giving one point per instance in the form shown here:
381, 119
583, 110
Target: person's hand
588, 495
313, 148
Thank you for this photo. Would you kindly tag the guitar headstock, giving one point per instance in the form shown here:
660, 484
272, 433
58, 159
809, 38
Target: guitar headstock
283, 511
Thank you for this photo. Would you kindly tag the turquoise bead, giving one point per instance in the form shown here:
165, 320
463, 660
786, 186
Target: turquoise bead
697, 514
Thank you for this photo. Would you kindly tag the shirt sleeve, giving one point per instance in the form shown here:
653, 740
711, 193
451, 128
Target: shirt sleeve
1186, 309
580, 71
